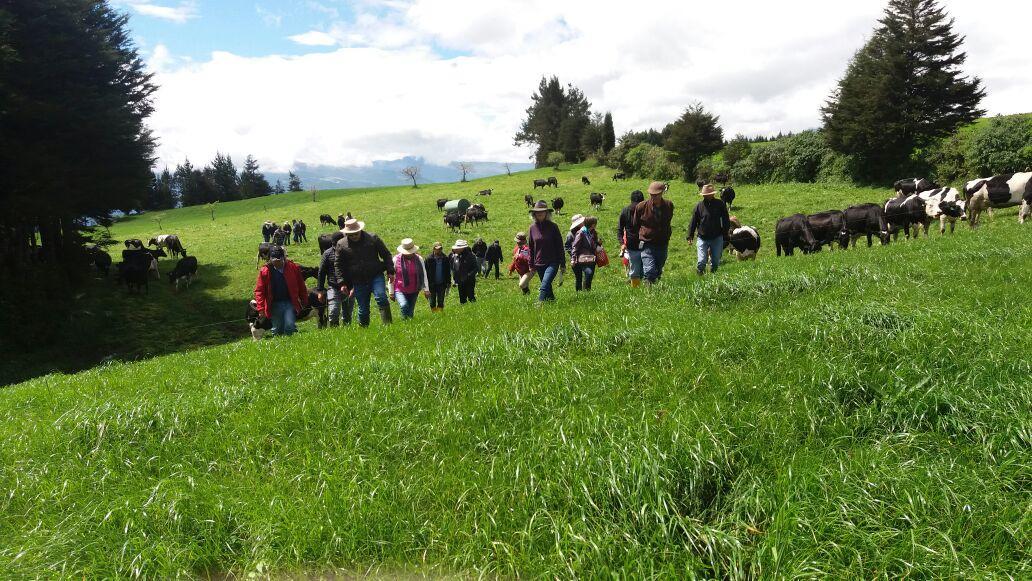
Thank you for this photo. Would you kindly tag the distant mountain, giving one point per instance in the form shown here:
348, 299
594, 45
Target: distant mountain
388, 173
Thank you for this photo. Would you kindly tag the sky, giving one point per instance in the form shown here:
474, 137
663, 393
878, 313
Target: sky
336, 82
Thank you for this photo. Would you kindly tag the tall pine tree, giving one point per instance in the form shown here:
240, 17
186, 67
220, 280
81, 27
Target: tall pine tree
608, 133
694, 135
252, 181
294, 183
223, 175
902, 90
555, 121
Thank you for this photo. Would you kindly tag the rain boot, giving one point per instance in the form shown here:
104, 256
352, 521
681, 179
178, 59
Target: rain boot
635, 282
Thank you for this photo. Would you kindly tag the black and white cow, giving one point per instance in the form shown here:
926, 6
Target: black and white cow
908, 186
484, 192
619, 176
134, 243
169, 242
597, 199
553, 182
944, 205
743, 241
794, 232
999, 192
829, 228
866, 220
185, 270
454, 220
906, 212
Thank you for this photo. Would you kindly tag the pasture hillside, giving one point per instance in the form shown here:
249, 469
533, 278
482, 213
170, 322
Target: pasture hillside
850, 414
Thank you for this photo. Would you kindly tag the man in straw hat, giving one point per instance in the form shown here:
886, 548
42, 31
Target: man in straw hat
464, 271
409, 278
438, 273
652, 219
711, 222
362, 259
546, 249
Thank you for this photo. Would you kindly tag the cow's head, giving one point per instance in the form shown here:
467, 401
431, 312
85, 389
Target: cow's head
152, 242
952, 209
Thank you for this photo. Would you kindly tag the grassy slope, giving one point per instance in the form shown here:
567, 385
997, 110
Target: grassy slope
858, 414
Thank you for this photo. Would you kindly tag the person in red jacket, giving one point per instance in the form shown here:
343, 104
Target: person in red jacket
280, 293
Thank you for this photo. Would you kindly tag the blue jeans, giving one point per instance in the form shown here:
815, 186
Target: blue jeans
584, 273
377, 287
712, 248
284, 319
340, 306
653, 258
406, 303
634, 268
547, 274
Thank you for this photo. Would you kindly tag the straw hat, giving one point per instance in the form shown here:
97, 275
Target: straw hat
408, 247
438, 245
708, 190
460, 244
353, 226
541, 206
656, 188
576, 221
520, 237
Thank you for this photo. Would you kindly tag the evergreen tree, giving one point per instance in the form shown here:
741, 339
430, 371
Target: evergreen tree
294, 183
278, 188
185, 185
161, 195
555, 121
902, 90
608, 133
694, 135
223, 175
252, 181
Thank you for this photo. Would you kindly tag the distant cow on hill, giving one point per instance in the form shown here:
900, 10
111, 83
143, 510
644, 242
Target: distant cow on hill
326, 220
529, 200
908, 186
475, 214
866, 220
557, 205
540, 184
597, 199
999, 192
584, 180
828, 228
727, 195
185, 270
619, 176
794, 232
484, 192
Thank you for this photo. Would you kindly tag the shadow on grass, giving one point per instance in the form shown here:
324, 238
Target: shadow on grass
106, 323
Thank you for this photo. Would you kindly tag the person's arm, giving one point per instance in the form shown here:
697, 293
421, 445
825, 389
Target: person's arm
696, 220
324, 264
385, 256
531, 245
340, 266
426, 279
260, 292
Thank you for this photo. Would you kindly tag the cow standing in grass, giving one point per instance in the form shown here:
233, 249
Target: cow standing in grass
585, 181
529, 200
999, 191
597, 199
909, 186
866, 220
829, 228
794, 232
906, 213
944, 205
184, 270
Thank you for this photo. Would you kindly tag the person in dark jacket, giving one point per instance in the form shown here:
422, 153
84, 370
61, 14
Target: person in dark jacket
464, 271
652, 219
296, 231
546, 249
302, 231
628, 237
341, 304
268, 228
286, 230
279, 237
494, 259
438, 275
362, 259
479, 249
712, 223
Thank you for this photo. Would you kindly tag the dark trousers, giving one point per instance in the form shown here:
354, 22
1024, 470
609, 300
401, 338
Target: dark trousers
492, 264
437, 293
467, 291
267, 237
584, 273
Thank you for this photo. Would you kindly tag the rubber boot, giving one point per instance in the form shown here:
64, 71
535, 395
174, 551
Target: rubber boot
635, 282
385, 315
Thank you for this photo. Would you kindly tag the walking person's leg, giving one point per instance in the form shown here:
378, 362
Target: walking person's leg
347, 307
363, 292
333, 306
648, 264
547, 274
589, 274
701, 249
659, 255
578, 275
716, 251
525, 281
379, 290
634, 268
472, 293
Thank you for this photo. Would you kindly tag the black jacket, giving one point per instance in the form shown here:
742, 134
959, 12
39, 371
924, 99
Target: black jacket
363, 260
431, 270
327, 271
494, 253
624, 227
710, 219
480, 248
464, 267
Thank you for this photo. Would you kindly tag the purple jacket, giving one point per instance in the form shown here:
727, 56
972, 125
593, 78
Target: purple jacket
546, 244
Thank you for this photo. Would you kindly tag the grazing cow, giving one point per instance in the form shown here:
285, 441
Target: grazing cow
326, 220
264, 249
619, 176
341, 218
866, 220
134, 243
597, 199
135, 266
441, 202
727, 195
540, 184
529, 200
794, 232
828, 228
557, 205
944, 205
906, 213
484, 192
908, 186
102, 260
585, 181
476, 213
171, 243
454, 220
553, 182
185, 269
999, 192
721, 178
743, 241
256, 321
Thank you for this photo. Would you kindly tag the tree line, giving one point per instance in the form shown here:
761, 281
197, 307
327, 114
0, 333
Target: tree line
218, 181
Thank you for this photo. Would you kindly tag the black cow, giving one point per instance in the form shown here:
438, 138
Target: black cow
866, 220
134, 243
135, 266
828, 228
257, 322
454, 220
727, 195
341, 218
529, 200
557, 205
553, 182
484, 192
326, 241
540, 184
721, 178
584, 180
185, 269
326, 220
264, 248
597, 199
308, 272
441, 202
619, 176
475, 214
794, 232
908, 186
906, 213
701, 183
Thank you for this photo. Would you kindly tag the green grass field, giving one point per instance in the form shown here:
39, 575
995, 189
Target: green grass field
853, 414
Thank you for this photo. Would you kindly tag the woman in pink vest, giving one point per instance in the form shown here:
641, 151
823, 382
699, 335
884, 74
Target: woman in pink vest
409, 278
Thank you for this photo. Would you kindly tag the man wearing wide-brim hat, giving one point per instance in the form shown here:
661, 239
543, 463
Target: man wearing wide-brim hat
547, 255
711, 222
362, 260
652, 219
465, 269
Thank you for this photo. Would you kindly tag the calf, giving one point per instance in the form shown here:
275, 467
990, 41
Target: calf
794, 232
185, 269
908, 186
999, 192
529, 200
540, 184
597, 199
557, 205
454, 220
619, 176
326, 220
727, 195
484, 193
866, 220
744, 241
441, 203
828, 228
256, 321
585, 181
553, 182
944, 205
906, 213
264, 248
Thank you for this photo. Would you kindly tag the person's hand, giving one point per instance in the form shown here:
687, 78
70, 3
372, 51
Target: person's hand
426, 294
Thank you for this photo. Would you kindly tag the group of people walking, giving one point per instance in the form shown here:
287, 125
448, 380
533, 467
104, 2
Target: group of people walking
295, 230
357, 269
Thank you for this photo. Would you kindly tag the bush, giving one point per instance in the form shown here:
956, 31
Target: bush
555, 158
1003, 145
736, 150
651, 162
710, 166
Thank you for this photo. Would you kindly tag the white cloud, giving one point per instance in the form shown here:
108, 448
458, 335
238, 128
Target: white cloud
268, 17
180, 14
763, 67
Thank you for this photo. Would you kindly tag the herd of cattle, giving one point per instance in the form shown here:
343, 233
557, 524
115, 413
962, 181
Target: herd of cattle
139, 262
